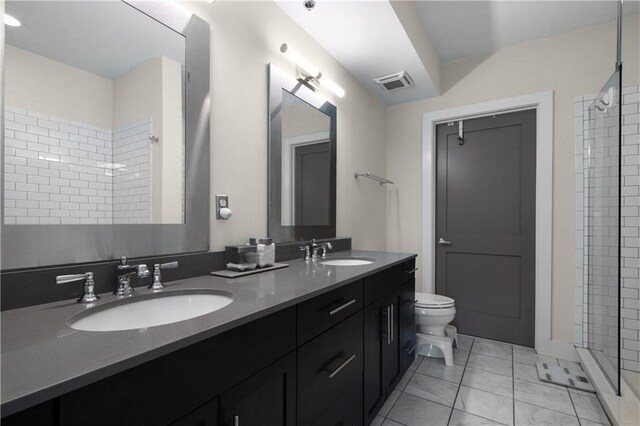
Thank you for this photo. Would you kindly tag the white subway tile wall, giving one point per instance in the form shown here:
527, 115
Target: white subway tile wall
59, 171
131, 173
629, 233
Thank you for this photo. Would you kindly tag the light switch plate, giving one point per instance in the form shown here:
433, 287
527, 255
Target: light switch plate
222, 201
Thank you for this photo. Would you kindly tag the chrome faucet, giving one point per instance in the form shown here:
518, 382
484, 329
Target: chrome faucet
157, 276
88, 287
124, 281
320, 246
307, 252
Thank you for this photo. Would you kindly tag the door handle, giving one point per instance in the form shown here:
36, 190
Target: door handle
236, 421
443, 242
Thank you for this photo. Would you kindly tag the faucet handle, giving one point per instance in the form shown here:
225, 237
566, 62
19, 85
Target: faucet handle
168, 265
307, 252
88, 288
157, 276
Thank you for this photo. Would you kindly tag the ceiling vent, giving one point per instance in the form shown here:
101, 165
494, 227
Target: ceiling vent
395, 81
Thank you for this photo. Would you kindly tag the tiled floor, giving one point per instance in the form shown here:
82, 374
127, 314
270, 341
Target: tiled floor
491, 383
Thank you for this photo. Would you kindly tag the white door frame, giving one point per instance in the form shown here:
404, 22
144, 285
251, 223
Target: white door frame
542, 102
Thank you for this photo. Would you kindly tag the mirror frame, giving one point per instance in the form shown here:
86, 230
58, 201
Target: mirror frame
28, 246
279, 81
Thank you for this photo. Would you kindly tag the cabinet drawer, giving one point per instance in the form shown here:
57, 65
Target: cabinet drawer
346, 409
380, 284
407, 304
409, 270
323, 312
327, 365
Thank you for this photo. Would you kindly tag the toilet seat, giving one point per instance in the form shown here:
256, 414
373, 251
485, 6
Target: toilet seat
433, 301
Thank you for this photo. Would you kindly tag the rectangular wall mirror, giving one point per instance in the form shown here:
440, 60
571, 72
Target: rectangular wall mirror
103, 130
302, 161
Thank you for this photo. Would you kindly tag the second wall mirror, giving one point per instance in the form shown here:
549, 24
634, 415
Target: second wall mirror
302, 161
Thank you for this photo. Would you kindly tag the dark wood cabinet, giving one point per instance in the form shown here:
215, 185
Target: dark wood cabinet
39, 415
267, 398
205, 415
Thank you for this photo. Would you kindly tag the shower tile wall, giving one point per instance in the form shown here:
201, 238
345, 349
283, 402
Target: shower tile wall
59, 171
131, 173
55, 170
630, 226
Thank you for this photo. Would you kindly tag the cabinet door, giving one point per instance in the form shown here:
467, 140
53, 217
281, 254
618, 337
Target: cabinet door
391, 339
373, 385
205, 415
407, 326
381, 345
266, 398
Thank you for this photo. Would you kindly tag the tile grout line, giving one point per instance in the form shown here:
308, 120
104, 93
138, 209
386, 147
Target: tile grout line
461, 379
402, 391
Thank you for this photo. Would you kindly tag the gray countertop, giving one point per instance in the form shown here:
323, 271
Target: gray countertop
42, 357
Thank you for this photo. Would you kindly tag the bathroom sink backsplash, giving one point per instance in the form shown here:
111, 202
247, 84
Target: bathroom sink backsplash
27, 287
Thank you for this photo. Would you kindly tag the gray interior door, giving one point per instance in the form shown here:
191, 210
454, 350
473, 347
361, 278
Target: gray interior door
485, 224
312, 184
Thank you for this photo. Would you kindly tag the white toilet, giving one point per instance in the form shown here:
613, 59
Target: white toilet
434, 334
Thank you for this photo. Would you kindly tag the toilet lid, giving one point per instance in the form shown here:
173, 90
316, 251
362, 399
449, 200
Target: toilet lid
429, 300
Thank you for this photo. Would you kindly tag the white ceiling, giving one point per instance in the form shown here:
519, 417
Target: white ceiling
106, 38
369, 41
460, 29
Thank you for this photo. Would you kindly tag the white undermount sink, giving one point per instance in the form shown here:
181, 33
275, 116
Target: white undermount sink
347, 261
151, 310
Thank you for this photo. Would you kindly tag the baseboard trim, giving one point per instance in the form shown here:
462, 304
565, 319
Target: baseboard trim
622, 410
558, 349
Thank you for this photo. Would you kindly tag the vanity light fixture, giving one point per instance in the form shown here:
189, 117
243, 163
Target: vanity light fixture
11, 21
310, 75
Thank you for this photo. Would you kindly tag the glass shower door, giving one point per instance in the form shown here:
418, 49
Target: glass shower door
602, 228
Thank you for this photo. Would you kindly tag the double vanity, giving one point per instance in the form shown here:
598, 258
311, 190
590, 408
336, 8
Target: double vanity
313, 343
323, 341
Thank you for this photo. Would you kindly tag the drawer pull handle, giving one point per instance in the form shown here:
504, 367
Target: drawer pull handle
343, 365
236, 421
341, 307
413, 348
410, 271
413, 305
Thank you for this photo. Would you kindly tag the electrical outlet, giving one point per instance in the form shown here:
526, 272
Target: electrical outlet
222, 202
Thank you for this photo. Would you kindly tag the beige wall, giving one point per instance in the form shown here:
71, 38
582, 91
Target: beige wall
298, 120
245, 38
570, 64
154, 89
138, 95
40, 84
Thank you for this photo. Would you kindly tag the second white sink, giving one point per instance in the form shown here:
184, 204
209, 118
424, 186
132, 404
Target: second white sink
347, 261
151, 310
